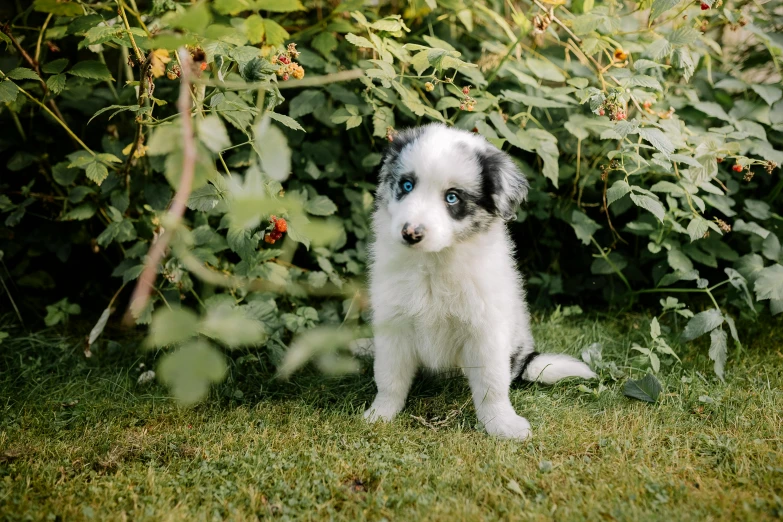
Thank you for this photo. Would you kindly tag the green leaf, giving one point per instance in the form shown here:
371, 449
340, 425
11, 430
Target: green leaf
204, 199
195, 19
80, 213
583, 226
648, 203
534, 101
255, 30
242, 241
306, 102
56, 83
618, 189
320, 206
285, 120
702, 323
718, 350
360, 41
232, 327
769, 283
8, 91
647, 389
171, 326
55, 66
697, 228
92, 70
278, 6
190, 370
769, 93
324, 43
22, 73
275, 34
272, 147
97, 172
231, 7
661, 6
58, 7
657, 139
770, 247
213, 134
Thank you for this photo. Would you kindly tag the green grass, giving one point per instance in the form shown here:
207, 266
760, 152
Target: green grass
300, 450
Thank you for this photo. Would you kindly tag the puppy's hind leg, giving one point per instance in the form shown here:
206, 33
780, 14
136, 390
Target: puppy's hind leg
489, 373
395, 367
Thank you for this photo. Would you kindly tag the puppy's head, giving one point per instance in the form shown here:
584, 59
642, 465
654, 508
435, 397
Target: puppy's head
441, 186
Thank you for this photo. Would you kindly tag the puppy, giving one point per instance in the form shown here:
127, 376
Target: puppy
444, 289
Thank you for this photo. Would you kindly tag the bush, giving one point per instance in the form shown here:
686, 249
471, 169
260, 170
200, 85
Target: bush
650, 133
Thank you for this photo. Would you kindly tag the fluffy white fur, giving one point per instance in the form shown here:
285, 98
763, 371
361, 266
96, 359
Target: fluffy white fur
454, 300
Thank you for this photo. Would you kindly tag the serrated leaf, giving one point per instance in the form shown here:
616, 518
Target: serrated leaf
92, 70
80, 213
22, 73
320, 206
97, 172
58, 7
618, 189
271, 145
661, 6
769, 283
718, 350
286, 120
306, 102
648, 203
55, 66
8, 91
190, 370
768, 93
204, 199
702, 323
242, 241
657, 139
697, 228
274, 32
213, 134
583, 226
171, 326
232, 327
56, 83
647, 389
360, 41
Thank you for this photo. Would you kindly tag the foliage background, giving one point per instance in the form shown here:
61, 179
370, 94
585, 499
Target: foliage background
650, 133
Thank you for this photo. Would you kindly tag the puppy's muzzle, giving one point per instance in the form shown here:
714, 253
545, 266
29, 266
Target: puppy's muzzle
412, 235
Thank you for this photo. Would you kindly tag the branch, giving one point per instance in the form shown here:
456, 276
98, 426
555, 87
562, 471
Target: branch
311, 81
141, 293
36, 66
557, 21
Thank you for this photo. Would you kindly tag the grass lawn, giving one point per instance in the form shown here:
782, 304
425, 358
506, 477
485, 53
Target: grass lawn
79, 439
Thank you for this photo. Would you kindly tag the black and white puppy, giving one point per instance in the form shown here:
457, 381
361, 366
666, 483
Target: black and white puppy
444, 289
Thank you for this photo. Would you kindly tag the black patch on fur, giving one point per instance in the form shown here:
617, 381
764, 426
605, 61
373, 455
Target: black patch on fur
400, 141
501, 182
525, 363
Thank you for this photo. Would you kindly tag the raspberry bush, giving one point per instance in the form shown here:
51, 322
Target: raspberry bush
230, 146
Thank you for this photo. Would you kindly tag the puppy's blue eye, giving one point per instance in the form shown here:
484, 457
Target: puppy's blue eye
407, 186
451, 198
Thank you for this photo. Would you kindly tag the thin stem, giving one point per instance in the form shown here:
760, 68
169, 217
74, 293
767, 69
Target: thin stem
58, 120
139, 54
40, 38
614, 267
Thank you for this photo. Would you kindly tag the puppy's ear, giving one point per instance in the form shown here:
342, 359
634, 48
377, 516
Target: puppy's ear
503, 185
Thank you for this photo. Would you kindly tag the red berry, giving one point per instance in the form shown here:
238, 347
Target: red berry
203, 66
466, 90
737, 168
281, 225
601, 112
285, 77
276, 235
268, 239
284, 59
705, 6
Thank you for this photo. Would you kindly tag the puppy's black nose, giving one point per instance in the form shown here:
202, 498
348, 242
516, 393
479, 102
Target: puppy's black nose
412, 235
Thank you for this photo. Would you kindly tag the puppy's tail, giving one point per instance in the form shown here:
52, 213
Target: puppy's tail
548, 368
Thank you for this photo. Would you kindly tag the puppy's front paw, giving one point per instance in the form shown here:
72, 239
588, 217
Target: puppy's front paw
381, 411
510, 427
